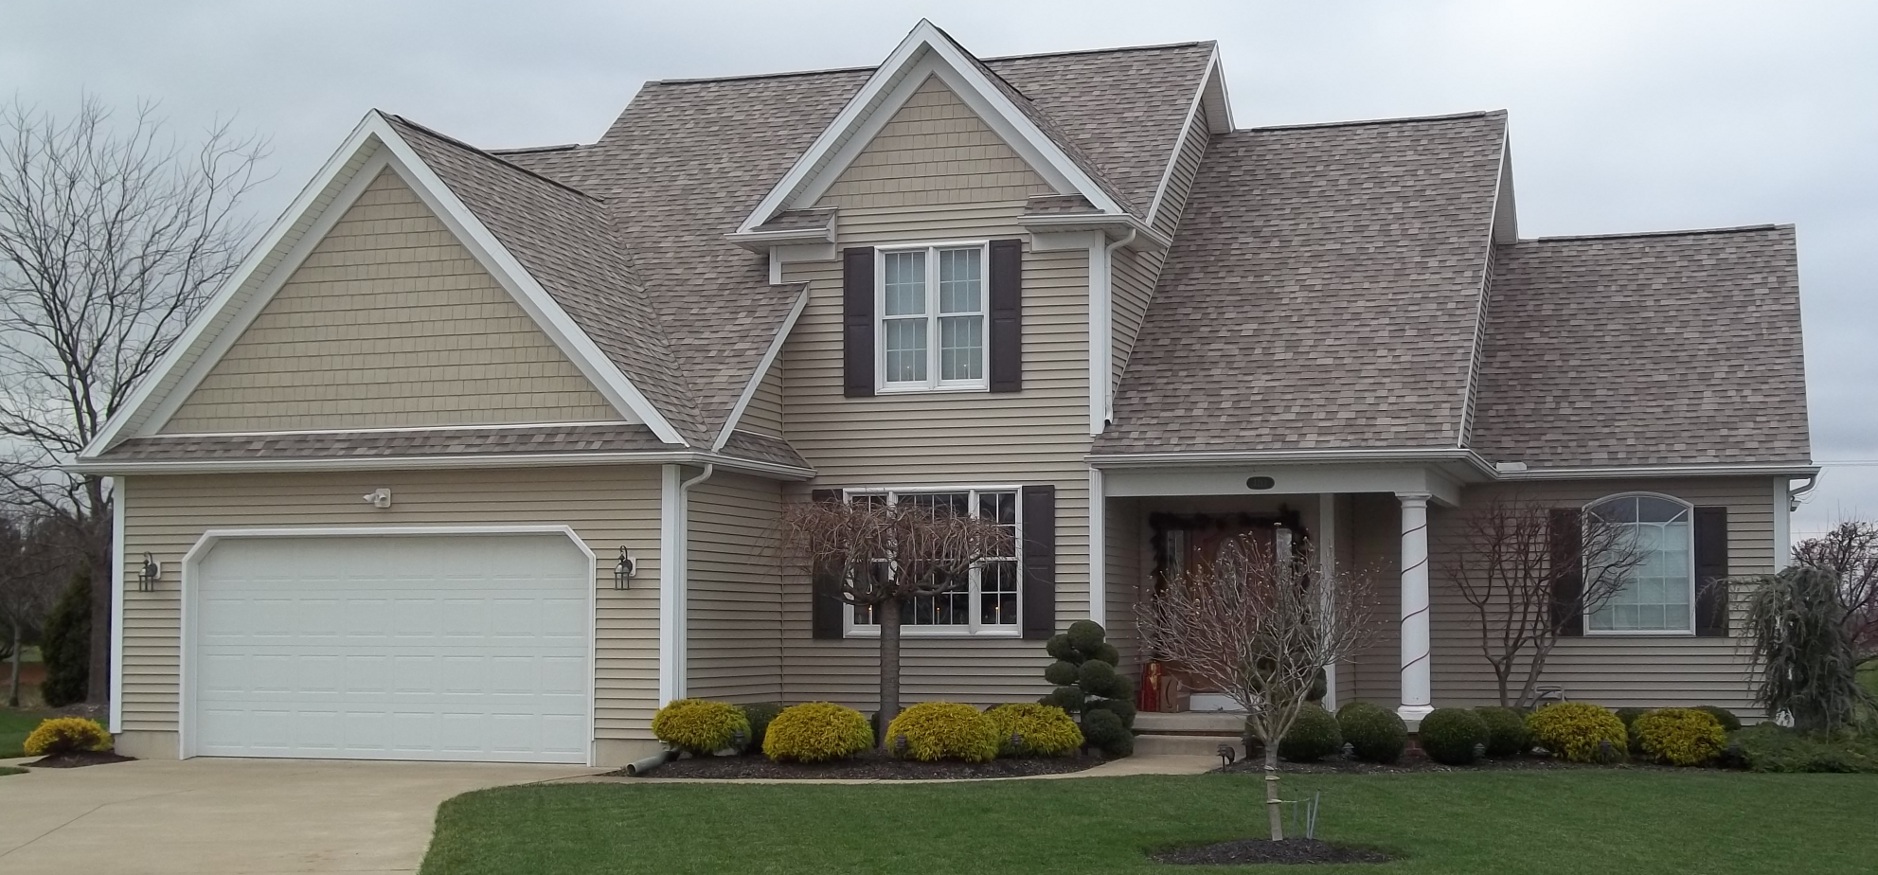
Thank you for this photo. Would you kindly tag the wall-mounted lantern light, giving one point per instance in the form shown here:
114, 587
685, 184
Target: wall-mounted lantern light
148, 574
379, 498
624, 570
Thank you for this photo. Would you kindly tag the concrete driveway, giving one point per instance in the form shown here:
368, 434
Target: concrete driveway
231, 815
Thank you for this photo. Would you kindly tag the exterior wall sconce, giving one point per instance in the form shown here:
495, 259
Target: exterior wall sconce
148, 574
379, 498
624, 569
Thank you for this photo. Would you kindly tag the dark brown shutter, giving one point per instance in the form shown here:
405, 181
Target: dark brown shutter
1711, 572
1565, 528
1007, 315
826, 608
857, 321
1038, 505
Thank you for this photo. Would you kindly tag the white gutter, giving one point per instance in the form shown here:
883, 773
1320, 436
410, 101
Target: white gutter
420, 463
1794, 470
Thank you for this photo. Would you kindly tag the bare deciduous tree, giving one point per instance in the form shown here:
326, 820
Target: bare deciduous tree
1850, 554
1503, 566
33, 563
1260, 628
112, 236
883, 555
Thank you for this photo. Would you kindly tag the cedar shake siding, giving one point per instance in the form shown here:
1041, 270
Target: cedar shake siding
389, 322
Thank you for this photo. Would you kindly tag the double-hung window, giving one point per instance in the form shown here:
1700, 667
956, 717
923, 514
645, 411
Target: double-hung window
984, 604
932, 327
1658, 595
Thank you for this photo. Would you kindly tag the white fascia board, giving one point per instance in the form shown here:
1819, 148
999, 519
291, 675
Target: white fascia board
1180, 142
1658, 471
1111, 226
117, 605
762, 370
432, 463
925, 51
1288, 457
1477, 345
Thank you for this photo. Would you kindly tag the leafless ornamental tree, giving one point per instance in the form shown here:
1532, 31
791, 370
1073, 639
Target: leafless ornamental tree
883, 555
1259, 628
1850, 554
111, 238
1529, 580
30, 573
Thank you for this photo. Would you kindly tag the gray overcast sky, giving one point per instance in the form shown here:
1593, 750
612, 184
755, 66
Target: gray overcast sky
1625, 115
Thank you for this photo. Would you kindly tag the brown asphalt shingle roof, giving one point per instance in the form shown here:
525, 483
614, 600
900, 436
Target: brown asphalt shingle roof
1323, 292
1672, 348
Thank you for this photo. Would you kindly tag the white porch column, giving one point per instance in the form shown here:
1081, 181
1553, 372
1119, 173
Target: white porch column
1417, 688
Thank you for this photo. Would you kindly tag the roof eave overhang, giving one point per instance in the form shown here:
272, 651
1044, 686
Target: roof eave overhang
1466, 464
1114, 227
761, 241
1751, 469
119, 468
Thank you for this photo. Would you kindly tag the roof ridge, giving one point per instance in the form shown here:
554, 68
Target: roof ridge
523, 150
1406, 119
1685, 232
1103, 51
494, 157
870, 67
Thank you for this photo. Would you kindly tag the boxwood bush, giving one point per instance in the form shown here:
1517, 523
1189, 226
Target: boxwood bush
1579, 732
1679, 736
1729, 722
1453, 736
1506, 731
816, 732
759, 714
1374, 733
1314, 736
932, 731
701, 727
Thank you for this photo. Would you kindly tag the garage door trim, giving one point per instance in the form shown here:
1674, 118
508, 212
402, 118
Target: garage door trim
185, 693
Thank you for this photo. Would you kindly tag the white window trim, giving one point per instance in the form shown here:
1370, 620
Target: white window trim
932, 383
972, 629
1649, 633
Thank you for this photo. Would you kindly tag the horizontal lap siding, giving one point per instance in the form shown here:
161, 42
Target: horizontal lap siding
935, 150
735, 591
765, 413
1127, 577
1186, 165
606, 507
389, 322
1137, 270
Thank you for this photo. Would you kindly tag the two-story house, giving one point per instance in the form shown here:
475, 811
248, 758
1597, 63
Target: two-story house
481, 454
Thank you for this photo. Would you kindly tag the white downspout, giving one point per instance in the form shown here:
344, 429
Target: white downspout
674, 537
1102, 334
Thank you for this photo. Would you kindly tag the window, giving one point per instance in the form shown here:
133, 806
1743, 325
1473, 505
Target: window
932, 326
988, 603
1660, 593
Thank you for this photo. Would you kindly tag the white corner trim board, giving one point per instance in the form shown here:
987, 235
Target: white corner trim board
116, 489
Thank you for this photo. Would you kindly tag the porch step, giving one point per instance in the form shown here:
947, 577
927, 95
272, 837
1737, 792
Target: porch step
1224, 723
1184, 745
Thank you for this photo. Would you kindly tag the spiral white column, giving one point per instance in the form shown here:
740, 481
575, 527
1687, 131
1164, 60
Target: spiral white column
1417, 686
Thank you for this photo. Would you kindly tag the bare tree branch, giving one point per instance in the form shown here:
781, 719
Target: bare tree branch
1850, 553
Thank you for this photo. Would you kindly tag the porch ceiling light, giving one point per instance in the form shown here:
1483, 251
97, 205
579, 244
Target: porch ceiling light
624, 569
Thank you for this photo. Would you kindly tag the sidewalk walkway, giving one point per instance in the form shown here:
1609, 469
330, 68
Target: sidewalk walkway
1137, 765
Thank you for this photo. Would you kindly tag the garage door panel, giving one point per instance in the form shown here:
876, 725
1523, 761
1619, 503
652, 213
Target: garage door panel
436, 647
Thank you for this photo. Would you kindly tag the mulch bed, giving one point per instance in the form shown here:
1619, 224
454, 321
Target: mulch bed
870, 766
1247, 851
78, 759
1416, 761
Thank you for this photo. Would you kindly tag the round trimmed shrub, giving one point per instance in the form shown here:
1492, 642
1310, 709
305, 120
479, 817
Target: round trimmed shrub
1680, 736
1086, 635
1069, 698
1312, 737
759, 715
1123, 708
816, 732
1453, 736
1062, 673
1373, 732
1579, 732
1034, 731
1107, 733
1729, 722
66, 735
1630, 715
1506, 731
932, 731
701, 727
1099, 678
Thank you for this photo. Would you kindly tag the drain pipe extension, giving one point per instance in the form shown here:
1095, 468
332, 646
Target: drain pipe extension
636, 768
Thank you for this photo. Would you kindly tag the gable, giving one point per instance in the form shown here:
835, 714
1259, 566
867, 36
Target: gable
934, 150
389, 322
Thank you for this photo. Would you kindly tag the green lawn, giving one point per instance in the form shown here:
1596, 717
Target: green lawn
1505, 823
14, 727
9, 770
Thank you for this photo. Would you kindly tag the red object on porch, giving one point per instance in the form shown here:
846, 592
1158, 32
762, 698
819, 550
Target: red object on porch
1148, 694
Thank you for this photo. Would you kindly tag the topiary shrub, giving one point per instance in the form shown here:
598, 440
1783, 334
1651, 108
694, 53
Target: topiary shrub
66, 735
1579, 732
701, 727
1506, 731
1034, 731
816, 732
1680, 736
1630, 715
759, 715
1453, 736
1729, 722
1104, 731
1312, 737
1373, 732
1088, 681
932, 731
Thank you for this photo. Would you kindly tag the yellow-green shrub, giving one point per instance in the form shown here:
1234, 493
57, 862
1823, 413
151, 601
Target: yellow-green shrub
1577, 731
66, 735
932, 731
816, 732
700, 727
1034, 730
1680, 736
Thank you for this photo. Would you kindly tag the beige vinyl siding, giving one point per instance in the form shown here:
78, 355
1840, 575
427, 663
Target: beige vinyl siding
1127, 577
935, 150
606, 507
1186, 165
1479, 349
765, 413
1375, 540
389, 322
733, 578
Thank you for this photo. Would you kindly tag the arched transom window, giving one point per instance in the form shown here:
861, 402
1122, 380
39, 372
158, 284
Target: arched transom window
1659, 595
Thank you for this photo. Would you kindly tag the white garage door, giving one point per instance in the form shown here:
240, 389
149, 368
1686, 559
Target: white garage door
434, 647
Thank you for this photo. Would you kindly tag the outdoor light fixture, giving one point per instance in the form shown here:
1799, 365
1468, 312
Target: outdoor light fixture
147, 575
624, 569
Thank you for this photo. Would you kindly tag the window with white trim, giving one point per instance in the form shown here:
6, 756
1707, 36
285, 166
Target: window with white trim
988, 603
1658, 595
933, 327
